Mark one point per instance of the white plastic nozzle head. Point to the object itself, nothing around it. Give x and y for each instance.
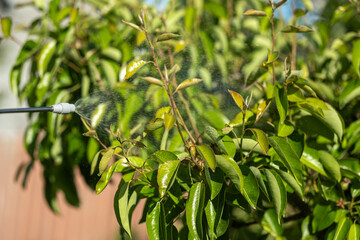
(63, 108)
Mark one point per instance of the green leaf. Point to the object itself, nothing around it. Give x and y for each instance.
(281, 101)
(45, 56)
(313, 127)
(105, 160)
(98, 114)
(161, 111)
(215, 137)
(154, 124)
(15, 78)
(167, 36)
(270, 222)
(272, 57)
(252, 12)
(172, 232)
(330, 165)
(155, 222)
(28, 50)
(356, 56)
(173, 70)
(239, 100)
(232, 170)
(134, 26)
(342, 229)
(133, 104)
(6, 24)
(324, 216)
(305, 228)
(329, 191)
(105, 178)
(314, 106)
(297, 143)
(298, 189)
(111, 71)
(277, 192)
(238, 120)
(112, 53)
(216, 9)
(294, 94)
(260, 181)
(216, 182)
(210, 213)
(285, 129)
(215, 118)
(194, 210)
(207, 154)
(251, 188)
(288, 156)
(169, 121)
(261, 139)
(251, 145)
(153, 81)
(263, 106)
(354, 232)
(136, 161)
(229, 145)
(215, 213)
(166, 175)
(94, 162)
(223, 223)
(122, 166)
(162, 156)
(350, 167)
(350, 92)
(189, 18)
(133, 67)
(124, 205)
(296, 29)
(333, 120)
(43, 86)
(207, 45)
(188, 83)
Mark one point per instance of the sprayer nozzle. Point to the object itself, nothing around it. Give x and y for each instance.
(63, 108)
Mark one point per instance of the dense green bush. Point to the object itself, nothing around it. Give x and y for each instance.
(275, 156)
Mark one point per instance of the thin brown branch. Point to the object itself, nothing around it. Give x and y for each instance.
(182, 98)
(273, 37)
(171, 97)
(294, 45)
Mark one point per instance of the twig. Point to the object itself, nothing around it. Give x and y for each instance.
(273, 37)
(172, 102)
(293, 48)
(182, 98)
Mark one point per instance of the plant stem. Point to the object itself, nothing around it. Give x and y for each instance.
(293, 47)
(252, 149)
(182, 98)
(273, 37)
(188, 111)
(171, 97)
(237, 139)
(242, 136)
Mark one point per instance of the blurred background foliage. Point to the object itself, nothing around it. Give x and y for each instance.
(78, 48)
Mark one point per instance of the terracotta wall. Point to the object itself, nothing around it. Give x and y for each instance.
(24, 214)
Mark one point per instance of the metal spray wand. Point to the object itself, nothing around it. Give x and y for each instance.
(60, 108)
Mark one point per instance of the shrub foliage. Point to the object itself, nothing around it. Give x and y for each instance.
(230, 118)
